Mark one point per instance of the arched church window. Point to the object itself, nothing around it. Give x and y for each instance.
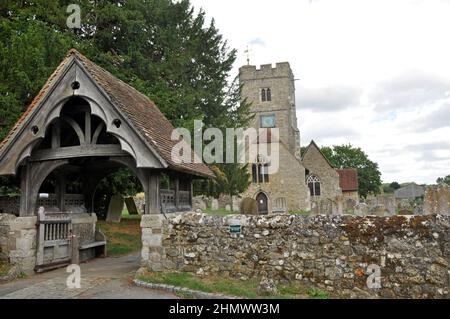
(314, 185)
(265, 173)
(263, 95)
(254, 173)
(260, 172)
(268, 95)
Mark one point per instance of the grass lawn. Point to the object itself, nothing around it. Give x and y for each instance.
(124, 237)
(231, 286)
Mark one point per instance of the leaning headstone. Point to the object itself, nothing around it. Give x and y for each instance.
(437, 199)
(115, 209)
(199, 203)
(131, 206)
(249, 206)
(214, 204)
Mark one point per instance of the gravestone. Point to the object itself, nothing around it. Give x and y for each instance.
(228, 208)
(249, 206)
(326, 207)
(236, 203)
(389, 202)
(199, 203)
(115, 209)
(437, 199)
(361, 209)
(378, 210)
(131, 206)
(214, 204)
(349, 204)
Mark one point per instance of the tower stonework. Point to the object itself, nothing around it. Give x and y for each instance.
(271, 91)
(279, 104)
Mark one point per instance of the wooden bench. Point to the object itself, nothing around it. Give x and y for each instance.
(94, 249)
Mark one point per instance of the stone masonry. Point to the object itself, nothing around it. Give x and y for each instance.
(336, 253)
(18, 241)
(288, 184)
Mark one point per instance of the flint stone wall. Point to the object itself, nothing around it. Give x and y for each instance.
(18, 241)
(331, 252)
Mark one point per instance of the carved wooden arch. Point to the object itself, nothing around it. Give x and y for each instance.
(36, 173)
(78, 130)
(95, 180)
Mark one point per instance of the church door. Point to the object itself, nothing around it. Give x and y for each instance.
(261, 199)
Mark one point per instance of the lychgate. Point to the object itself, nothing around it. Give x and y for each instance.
(82, 126)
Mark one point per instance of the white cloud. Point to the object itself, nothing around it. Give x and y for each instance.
(375, 73)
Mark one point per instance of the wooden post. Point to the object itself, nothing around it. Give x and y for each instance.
(87, 127)
(177, 192)
(56, 135)
(25, 187)
(152, 197)
(61, 190)
(191, 192)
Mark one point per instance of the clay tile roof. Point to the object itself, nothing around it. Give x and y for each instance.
(51, 80)
(348, 179)
(141, 112)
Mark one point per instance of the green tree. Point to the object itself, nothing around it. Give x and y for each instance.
(161, 47)
(444, 180)
(390, 188)
(395, 185)
(347, 156)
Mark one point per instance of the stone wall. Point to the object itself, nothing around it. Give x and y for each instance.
(18, 241)
(335, 253)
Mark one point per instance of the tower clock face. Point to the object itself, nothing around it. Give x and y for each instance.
(267, 121)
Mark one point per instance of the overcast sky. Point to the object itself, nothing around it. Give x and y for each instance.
(372, 73)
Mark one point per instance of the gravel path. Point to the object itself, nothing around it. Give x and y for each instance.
(102, 278)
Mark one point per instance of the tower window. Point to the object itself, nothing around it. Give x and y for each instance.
(260, 173)
(266, 95)
(314, 185)
(254, 173)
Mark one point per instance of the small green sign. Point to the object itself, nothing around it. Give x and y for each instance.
(235, 229)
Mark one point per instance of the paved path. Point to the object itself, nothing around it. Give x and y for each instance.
(102, 278)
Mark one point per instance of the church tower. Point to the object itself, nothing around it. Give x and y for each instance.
(272, 93)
